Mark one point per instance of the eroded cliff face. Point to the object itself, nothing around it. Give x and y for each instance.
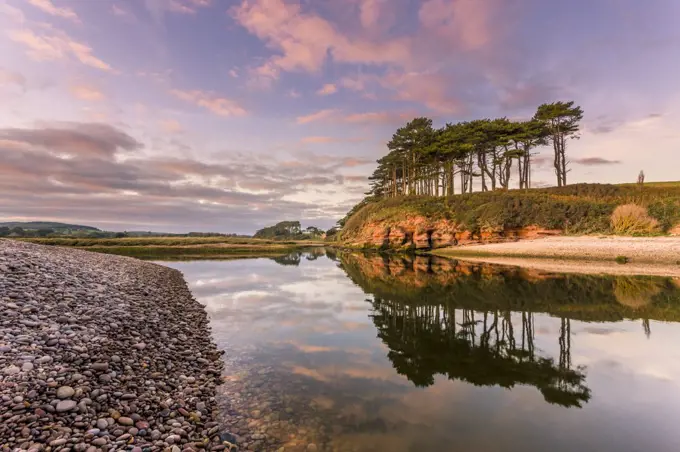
(419, 232)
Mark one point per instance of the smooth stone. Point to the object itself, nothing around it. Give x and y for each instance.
(102, 424)
(125, 421)
(65, 392)
(27, 367)
(66, 405)
(102, 367)
(11, 370)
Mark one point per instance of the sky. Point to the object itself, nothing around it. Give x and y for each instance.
(231, 115)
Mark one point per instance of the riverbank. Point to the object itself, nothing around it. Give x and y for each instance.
(101, 351)
(174, 248)
(589, 253)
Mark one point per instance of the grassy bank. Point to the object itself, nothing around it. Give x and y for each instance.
(180, 247)
(574, 209)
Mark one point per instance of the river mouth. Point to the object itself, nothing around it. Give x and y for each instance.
(352, 352)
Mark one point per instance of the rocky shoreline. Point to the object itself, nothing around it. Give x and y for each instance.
(101, 352)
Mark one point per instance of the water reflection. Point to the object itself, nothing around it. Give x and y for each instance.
(357, 352)
(485, 351)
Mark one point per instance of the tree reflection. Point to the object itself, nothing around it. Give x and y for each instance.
(475, 323)
(485, 349)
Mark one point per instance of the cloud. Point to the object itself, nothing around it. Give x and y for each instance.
(124, 13)
(325, 140)
(327, 89)
(87, 92)
(430, 89)
(378, 117)
(53, 44)
(74, 139)
(305, 40)
(48, 7)
(460, 22)
(171, 126)
(219, 105)
(11, 78)
(595, 161)
(317, 116)
(14, 14)
(233, 73)
(96, 172)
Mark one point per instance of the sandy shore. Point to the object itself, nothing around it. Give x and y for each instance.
(587, 254)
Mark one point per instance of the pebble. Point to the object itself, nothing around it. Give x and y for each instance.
(125, 421)
(65, 392)
(65, 405)
(89, 355)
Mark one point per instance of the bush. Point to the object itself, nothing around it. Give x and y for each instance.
(631, 219)
(621, 260)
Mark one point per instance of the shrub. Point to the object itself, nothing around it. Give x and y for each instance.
(631, 219)
(621, 260)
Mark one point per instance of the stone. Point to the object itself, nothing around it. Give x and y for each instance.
(100, 367)
(27, 367)
(311, 447)
(65, 392)
(11, 370)
(102, 424)
(125, 421)
(66, 405)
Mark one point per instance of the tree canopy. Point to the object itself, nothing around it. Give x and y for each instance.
(484, 153)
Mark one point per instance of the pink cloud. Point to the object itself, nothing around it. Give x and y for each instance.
(171, 126)
(325, 140)
(305, 40)
(48, 7)
(219, 105)
(465, 22)
(317, 140)
(87, 92)
(56, 45)
(432, 90)
(383, 117)
(11, 78)
(317, 116)
(327, 89)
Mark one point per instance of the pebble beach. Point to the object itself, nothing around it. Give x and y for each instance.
(101, 352)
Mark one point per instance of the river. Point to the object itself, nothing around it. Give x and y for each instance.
(351, 352)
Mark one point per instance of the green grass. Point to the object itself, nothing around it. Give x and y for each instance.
(575, 209)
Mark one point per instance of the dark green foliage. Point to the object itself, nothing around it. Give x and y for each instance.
(622, 260)
(282, 229)
(289, 230)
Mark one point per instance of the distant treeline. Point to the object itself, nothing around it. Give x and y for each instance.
(290, 230)
(53, 229)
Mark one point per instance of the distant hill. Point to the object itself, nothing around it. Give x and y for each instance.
(35, 225)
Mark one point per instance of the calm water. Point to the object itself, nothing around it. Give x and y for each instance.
(364, 353)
